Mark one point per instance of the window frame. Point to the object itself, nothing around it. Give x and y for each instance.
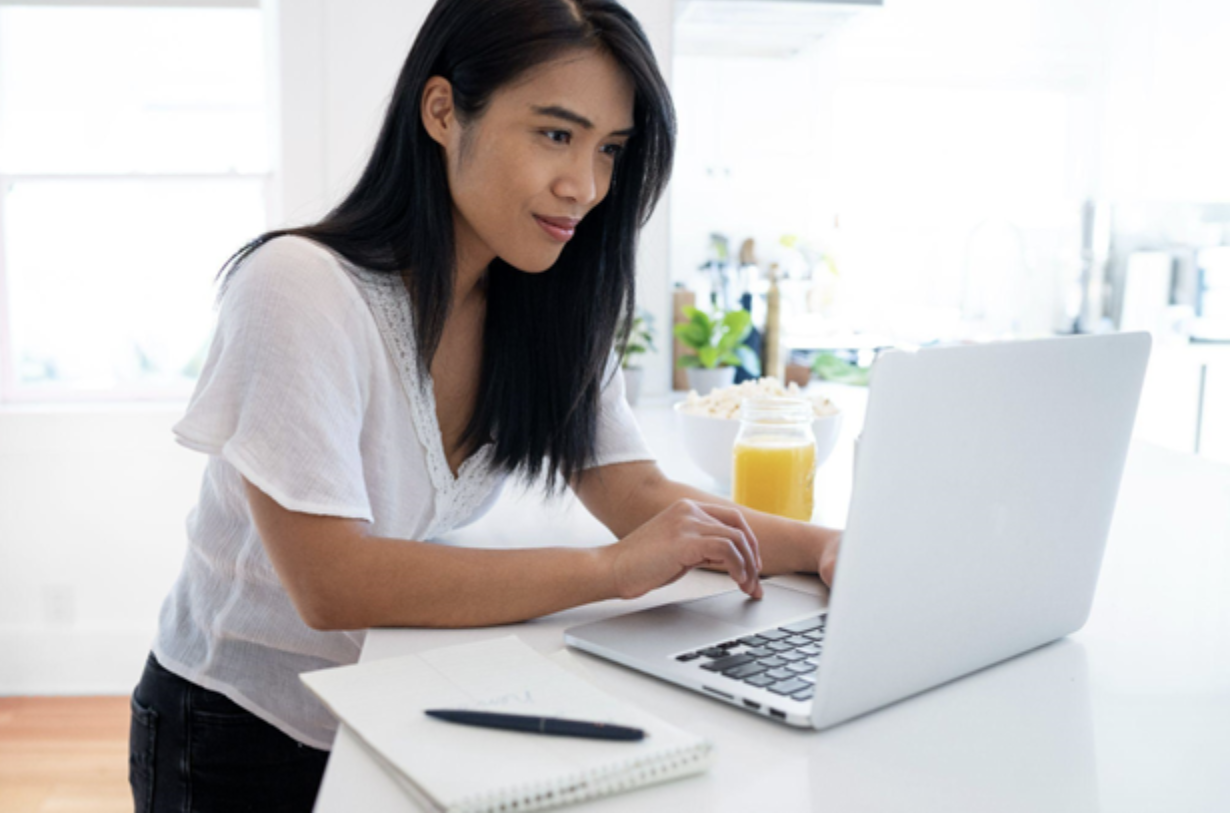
(11, 391)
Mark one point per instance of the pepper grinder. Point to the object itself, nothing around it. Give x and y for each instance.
(771, 364)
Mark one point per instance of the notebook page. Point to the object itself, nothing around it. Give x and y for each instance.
(455, 764)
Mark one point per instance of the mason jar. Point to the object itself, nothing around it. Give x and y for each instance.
(775, 457)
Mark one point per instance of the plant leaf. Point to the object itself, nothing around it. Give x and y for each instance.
(708, 357)
(737, 326)
(696, 316)
(736, 330)
(829, 366)
(692, 335)
(738, 322)
(689, 361)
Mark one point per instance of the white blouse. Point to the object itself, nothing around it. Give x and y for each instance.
(311, 393)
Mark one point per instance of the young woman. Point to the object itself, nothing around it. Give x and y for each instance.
(375, 378)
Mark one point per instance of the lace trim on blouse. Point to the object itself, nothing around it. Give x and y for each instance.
(457, 498)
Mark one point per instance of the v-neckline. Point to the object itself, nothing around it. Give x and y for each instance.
(420, 387)
(427, 388)
(437, 433)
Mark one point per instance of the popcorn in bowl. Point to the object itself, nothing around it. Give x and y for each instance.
(710, 424)
(726, 403)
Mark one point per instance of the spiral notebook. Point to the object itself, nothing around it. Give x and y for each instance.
(454, 767)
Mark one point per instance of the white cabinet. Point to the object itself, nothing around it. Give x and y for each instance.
(1177, 411)
(1215, 412)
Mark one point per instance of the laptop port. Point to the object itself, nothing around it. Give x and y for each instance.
(781, 715)
(718, 693)
(751, 704)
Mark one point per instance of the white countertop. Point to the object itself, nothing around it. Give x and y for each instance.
(1130, 713)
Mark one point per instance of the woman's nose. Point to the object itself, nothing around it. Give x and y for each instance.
(580, 182)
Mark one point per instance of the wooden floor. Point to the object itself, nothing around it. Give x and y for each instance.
(64, 754)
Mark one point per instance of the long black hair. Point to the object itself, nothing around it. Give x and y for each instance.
(547, 336)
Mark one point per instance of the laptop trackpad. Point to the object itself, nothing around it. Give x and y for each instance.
(777, 606)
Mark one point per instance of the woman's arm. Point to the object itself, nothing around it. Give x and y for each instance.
(340, 577)
(626, 495)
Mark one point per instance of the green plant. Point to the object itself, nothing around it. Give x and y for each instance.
(640, 340)
(717, 339)
(828, 366)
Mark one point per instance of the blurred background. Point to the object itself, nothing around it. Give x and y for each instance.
(901, 173)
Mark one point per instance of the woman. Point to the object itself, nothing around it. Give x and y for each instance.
(376, 377)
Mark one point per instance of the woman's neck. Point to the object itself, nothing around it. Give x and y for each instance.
(473, 258)
(469, 291)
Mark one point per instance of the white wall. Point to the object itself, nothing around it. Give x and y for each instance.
(91, 536)
(93, 499)
(1164, 104)
(1059, 100)
(910, 126)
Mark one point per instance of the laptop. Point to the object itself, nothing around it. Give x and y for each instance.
(985, 480)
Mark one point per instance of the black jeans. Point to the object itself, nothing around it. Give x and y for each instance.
(191, 749)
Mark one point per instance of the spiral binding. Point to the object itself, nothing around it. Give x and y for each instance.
(602, 781)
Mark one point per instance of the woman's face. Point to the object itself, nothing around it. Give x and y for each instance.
(531, 155)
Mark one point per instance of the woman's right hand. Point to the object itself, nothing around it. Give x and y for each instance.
(685, 535)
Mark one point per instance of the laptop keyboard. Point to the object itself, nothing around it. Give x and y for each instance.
(782, 660)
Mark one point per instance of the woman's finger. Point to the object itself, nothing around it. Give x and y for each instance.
(717, 551)
(732, 517)
(738, 539)
(750, 580)
(721, 551)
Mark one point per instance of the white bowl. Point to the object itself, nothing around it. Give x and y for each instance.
(710, 441)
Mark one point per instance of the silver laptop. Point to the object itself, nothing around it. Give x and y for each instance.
(985, 480)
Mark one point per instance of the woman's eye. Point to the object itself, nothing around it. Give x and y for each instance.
(614, 150)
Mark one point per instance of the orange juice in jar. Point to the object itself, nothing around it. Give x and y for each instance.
(775, 457)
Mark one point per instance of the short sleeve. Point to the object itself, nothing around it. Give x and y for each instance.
(283, 391)
(619, 436)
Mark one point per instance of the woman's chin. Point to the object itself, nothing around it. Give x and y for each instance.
(534, 267)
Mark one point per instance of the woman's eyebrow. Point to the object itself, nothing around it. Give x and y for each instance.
(576, 118)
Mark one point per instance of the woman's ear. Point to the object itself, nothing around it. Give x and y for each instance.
(437, 111)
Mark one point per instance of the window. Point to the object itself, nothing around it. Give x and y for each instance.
(134, 159)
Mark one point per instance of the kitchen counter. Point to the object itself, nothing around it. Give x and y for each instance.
(1131, 713)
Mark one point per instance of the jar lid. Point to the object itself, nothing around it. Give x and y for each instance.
(776, 410)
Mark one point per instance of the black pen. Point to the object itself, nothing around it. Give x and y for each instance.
(538, 725)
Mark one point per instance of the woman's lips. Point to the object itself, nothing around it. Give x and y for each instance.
(558, 233)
